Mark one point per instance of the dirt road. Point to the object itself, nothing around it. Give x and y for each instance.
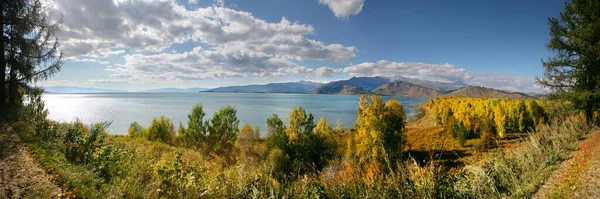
(20, 175)
(579, 176)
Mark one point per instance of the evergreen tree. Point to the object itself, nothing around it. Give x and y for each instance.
(223, 128)
(574, 72)
(195, 133)
(29, 48)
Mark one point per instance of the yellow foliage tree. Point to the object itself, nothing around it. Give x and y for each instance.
(380, 128)
(494, 115)
(323, 128)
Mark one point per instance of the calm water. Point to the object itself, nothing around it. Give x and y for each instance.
(124, 108)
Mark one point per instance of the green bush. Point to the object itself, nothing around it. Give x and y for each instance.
(180, 181)
(274, 124)
(223, 131)
(304, 150)
(105, 162)
(196, 131)
(136, 130)
(33, 120)
(460, 132)
(80, 144)
(161, 130)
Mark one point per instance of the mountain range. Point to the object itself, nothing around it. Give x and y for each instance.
(388, 86)
(175, 90)
(408, 87)
(288, 87)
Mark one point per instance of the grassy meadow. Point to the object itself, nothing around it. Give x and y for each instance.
(455, 148)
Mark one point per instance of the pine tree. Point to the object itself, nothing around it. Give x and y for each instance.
(29, 48)
(574, 72)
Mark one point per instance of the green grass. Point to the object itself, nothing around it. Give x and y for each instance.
(126, 167)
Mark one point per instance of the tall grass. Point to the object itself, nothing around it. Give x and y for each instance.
(518, 172)
(87, 162)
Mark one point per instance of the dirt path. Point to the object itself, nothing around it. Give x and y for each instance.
(579, 176)
(20, 175)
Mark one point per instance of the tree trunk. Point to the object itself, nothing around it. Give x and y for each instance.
(589, 111)
(13, 85)
(2, 68)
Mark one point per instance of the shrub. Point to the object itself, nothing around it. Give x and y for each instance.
(323, 128)
(485, 142)
(136, 130)
(180, 181)
(223, 130)
(105, 162)
(161, 130)
(249, 133)
(80, 144)
(196, 131)
(35, 115)
(300, 123)
(273, 124)
(338, 126)
(305, 149)
(460, 132)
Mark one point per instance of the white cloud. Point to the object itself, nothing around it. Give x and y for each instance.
(504, 82)
(107, 81)
(84, 60)
(344, 8)
(443, 72)
(95, 27)
(56, 83)
(438, 72)
(326, 71)
(205, 64)
(237, 44)
(104, 62)
(117, 52)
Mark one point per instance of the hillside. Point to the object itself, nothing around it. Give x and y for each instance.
(401, 88)
(438, 86)
(342, 90)
(366, 83)
(483, 92)
(175, 90)
(289, 87)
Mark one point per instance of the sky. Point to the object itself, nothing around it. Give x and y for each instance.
(137, 45)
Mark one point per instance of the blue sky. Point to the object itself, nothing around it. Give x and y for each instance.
(137, 45)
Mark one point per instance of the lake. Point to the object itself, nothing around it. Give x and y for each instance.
(253, 108)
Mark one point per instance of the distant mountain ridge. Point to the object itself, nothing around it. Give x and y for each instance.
(175, 90)
(393, 86)
(345, 90)
(389, 86)
(401, 88)
(366, 83)
(288, 87)
(483, 92)
(439, 86)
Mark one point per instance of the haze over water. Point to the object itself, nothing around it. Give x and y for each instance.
(124, 108)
